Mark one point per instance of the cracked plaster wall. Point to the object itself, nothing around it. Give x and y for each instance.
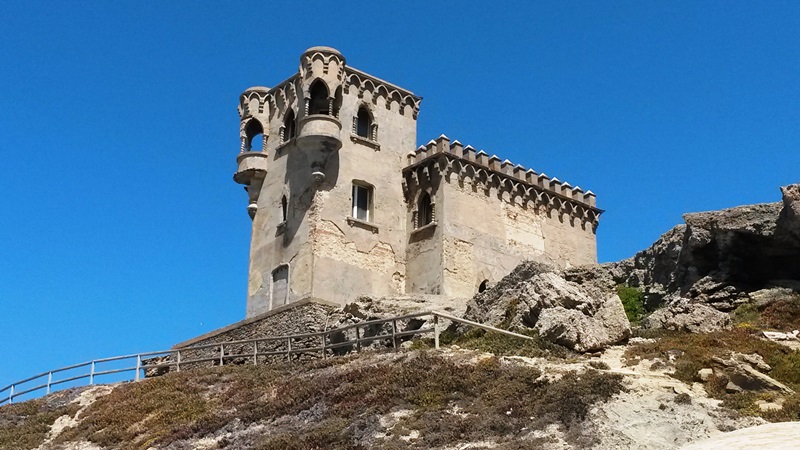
(485, 233)
(330, 257)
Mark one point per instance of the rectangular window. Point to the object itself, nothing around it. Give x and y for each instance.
(362, 202)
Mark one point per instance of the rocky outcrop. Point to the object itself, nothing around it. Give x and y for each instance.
(576, 308)
(717, 258)
(683, 315)
(744, 373)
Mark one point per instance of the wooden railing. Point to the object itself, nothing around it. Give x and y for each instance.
(176, 358)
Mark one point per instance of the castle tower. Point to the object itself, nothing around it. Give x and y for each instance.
(321, 158)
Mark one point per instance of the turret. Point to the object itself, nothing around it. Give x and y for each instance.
(321, 80)
(253, 135)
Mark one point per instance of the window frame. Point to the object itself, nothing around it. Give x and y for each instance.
(370, 201)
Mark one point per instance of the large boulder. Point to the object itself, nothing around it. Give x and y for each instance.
(577, 308)
(683, 315)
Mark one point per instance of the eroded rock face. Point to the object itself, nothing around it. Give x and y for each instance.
(718, 257)
(577, 308)
(683, 315)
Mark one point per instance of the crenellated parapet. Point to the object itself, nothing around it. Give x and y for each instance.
(316, 90)
(380, 92)
(510, 182)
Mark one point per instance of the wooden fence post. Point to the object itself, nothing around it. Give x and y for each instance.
(394, 331)
(436, 331)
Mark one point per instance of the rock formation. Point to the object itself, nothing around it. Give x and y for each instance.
(577, 308)
(717, 258)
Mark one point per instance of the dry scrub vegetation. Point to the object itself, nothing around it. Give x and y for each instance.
(692, 352)
(334, 403)
(25, 425)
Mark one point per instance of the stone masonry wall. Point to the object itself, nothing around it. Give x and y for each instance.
(301, 317)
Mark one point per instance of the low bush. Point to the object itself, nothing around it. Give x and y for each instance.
(504, 345)
(782, 314)
(633, 302)
(599, 365)
(497, 343)
(683, 399)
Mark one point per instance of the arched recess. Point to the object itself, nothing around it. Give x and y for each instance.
(289, 128)
(318, 102)
(337, 101)
(483, 280)
(425, 213)
(364, 125)
(254, 136)
(279, 286)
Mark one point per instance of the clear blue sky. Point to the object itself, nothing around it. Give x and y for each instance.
(121, 229)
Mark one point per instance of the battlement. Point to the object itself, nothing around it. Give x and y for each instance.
(478, 164)
(383, 90)
(261, 100)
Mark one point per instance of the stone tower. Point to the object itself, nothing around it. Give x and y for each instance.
(325, 187)
(343, 203)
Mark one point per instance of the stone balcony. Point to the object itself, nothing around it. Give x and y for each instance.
(320, 130)
(251, 165)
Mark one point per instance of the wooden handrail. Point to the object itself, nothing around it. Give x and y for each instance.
(176, 359)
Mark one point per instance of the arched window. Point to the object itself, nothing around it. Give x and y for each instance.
(424, 210)
(288, 126)
(337, 102)
(319, 98)
(363, 123)
(254, 136)
(284, 209)
(483, 286)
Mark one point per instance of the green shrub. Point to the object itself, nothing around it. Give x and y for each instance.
(633, 302)
(746, 314)
(504, 345)
(683, 399)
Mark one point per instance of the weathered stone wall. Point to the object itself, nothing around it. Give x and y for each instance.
(304, 316)
(330, 255)
(487, 235)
